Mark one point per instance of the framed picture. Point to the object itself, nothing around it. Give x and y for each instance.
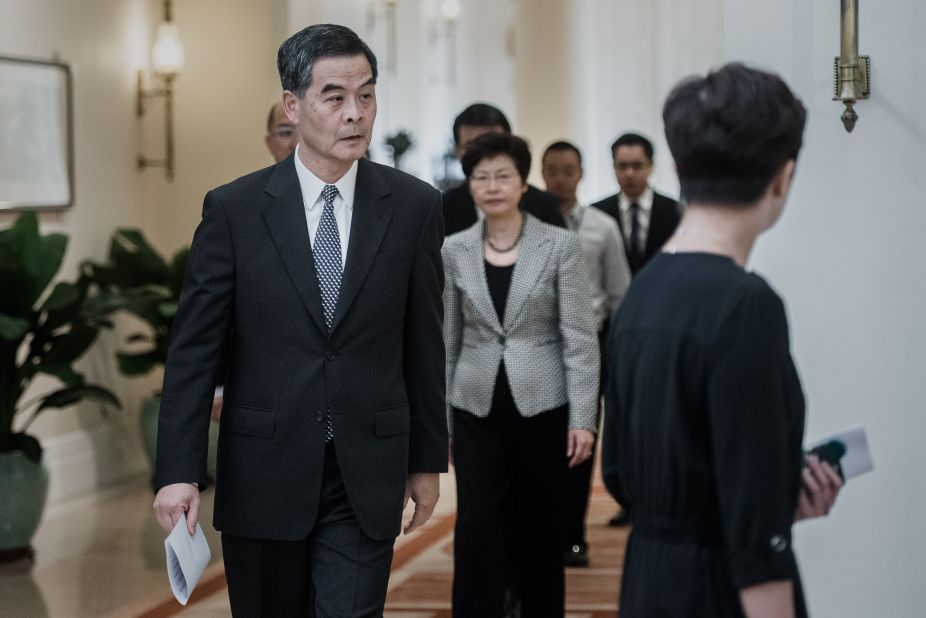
(36, 135)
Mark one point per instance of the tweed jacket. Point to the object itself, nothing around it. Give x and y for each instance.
(548, 338)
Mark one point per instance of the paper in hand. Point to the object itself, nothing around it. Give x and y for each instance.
(850, 449)
(187, 557)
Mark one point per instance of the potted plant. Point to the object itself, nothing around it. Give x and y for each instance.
(399, 143)
(41, 332)
(136, 279)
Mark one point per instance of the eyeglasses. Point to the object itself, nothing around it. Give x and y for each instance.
(503, 179)
(284, 133)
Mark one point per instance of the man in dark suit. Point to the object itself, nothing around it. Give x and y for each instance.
(647, 219)
(459, 210)
(326, 270)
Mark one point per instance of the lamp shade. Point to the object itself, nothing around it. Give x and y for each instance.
(167, 53)
(450, 9)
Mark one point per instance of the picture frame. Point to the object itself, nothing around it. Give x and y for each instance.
(36, 135)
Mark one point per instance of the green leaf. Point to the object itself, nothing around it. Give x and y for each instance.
(134, 261)
(167, 310)
(12, 328)
(64, 295)
(28, 263)
(63, 372)
(27, 445)
(138, 364)
(73, 394)
(70, 347)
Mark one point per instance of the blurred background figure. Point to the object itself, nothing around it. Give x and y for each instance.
(522, 387)
(459, 210)
(609, 277)
(281, 134)
(710, 460)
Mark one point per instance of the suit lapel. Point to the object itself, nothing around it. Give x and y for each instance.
(474, 274)
(371, 215)
(659, 224)
(532, 258)
(284, 215)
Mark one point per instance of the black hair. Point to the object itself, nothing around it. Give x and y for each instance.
(560, 146)
(480, 115)
(491, 145)
(633, 139)
(298, 54)
(730, 132)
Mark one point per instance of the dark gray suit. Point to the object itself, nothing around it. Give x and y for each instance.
(379, 373)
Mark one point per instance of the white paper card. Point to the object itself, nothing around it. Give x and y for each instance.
(857, 459)
(187, 557)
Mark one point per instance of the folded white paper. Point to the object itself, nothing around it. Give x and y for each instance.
(856, 459)
(187, 557)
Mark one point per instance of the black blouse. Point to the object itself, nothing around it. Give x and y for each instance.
(703, 432)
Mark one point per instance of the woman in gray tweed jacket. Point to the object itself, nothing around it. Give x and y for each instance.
(522, 387)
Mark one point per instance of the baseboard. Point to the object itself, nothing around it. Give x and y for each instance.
(86, 461)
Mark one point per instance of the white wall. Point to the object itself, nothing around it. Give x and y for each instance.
(847, 259)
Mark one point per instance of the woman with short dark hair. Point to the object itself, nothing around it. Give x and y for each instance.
(704, 412)
(522, 387)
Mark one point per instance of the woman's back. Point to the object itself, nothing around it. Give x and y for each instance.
(710, 414)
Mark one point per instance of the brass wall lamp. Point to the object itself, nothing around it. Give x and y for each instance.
(852, 72)
(167, 62)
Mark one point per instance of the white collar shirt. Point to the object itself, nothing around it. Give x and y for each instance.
(311, 187)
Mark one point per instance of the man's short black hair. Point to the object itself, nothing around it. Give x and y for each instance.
(560, 146)
(633, 139)
(479, 115)
(730, 132)
(494, 144)
(299, 53)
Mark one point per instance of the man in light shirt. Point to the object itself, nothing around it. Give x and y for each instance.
(609, 277)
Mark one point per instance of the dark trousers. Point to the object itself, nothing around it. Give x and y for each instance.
(579, 479)
(336, 571)
(510, 477)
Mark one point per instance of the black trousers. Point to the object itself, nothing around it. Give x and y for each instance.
(579, 479)
(510, 479)
(336, 571)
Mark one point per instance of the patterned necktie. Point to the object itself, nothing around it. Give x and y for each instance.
(327, 253)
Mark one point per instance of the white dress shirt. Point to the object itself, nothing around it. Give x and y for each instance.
(605, 258)
(311, 186)
(645, 201)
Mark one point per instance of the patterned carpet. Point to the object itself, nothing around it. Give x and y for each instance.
(420, 585)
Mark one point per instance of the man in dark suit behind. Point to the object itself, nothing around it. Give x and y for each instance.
(459, 209)
(326, 270)
(647, 219)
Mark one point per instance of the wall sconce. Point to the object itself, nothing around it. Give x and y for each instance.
(167, 62)
(852, 72)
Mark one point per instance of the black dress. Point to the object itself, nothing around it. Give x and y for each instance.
(703, 431)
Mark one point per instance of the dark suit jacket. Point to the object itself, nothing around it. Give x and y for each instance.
(662, 223)
(460, 210)
(380, 371)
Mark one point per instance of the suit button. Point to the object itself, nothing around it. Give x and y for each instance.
(501, 340)
(329, 355)
(320, 416)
